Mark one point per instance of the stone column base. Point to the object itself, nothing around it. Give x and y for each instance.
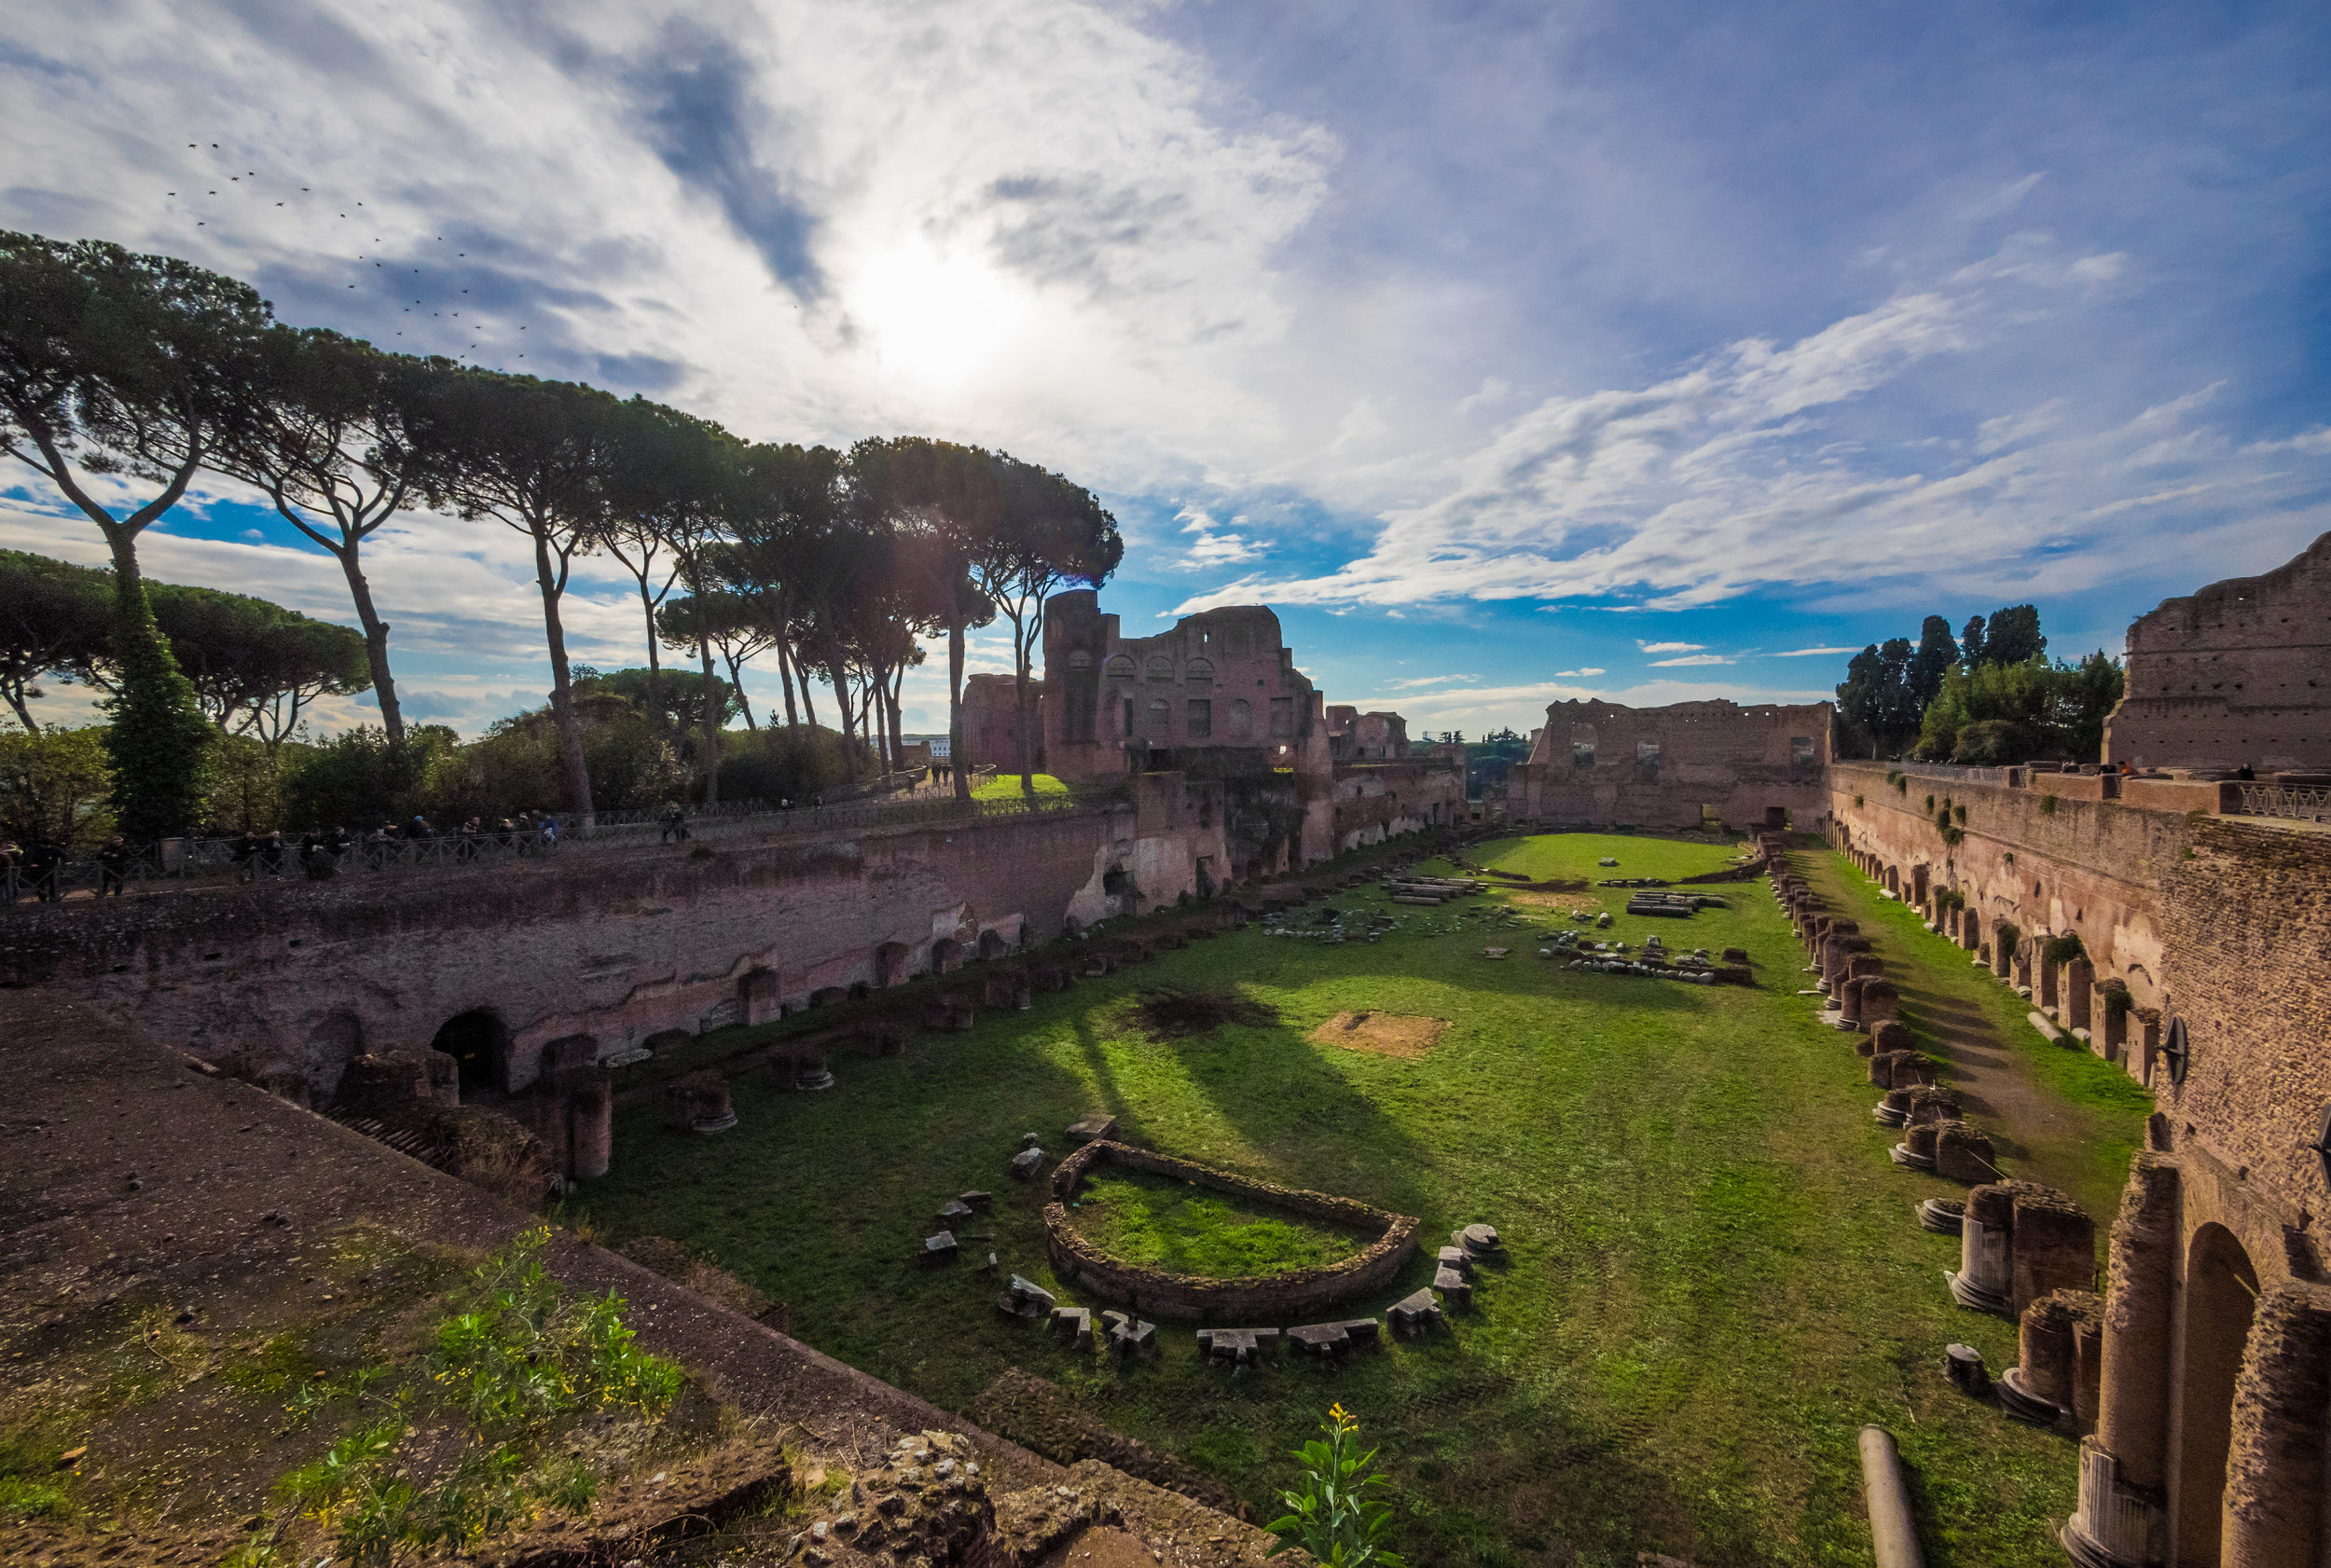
(2118, 1526)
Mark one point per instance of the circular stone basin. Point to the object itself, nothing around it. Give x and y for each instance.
(1387, 1241)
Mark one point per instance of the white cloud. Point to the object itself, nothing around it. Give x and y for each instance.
(1729, 475)
(1809, 653)
(1691, 659)
(1669, 647)
(1562, 674)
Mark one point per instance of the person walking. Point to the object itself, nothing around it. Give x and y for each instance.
(41, 863)
(272, 852)
(246, 856)
(675, 823)
(11, 870)
(113, 866)
(466, 850)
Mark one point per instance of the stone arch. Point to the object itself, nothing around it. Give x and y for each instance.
(337, 1039)
(1160, 668)
(2218, 1302)
(893, 961)
(570, 1051)
(1198, 669)
(992, 945)
(1241, 718)
(480, 1043)
(1121, 668)
(946, 956)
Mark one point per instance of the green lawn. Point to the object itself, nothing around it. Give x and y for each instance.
(1160, 1223)
(1714, 1277)
(1006, 785)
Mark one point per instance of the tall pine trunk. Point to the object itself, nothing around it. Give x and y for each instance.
(956, 759)
(569, 723)
(376, 645)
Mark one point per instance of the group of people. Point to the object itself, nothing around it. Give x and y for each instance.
(322, 850)
(36, 869)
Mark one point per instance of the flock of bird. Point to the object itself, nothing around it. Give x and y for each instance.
(199, 190)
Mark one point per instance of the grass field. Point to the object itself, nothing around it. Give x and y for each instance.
(1714, 1278)
(1007, 786)
(1171, 1225)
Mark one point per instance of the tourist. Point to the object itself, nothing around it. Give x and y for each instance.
(505, 832)
(11, 870)
(246, 855)
(466, 836)
(419, 829)
(551, 831)
(112, 865)
(41, 864)
(272, 852)
(675, 823)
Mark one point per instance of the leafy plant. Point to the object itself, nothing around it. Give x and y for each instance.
(1331, 1516)
(514, 1357)
(2064, 948)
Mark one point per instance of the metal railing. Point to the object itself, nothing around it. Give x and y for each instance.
(213, 862)
(2302, 802)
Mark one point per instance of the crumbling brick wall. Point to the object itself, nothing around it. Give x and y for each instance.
(2233, 675)
(1599, 764)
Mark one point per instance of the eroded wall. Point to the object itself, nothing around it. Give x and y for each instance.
(2233, 676)
(616, 945)
(1602, 763)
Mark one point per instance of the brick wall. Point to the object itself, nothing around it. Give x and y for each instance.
(2233, 675)
(1598, 764)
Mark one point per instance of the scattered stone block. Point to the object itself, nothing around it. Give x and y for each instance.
(1074, 1325)
(1963, 1364)
(1735, 954)
(974, 1198)
(940, 1248)
(1233, 1347)
(1330, 1342)
(1026, 1163)
(1024, 1298)
(1453, 1286)
(1480, 1241)
(1454, 1258)
(1129, 1336)
(1092, 1127)
(1942, 1216)
(953, 1211)
(1415, 1314)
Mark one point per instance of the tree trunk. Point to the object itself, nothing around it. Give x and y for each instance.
(24, 715)
(654, 665)
(569, 725)
(712, 695)
(1025, 742)
(890, 701)
(158, 732)
(376, 645)
(835, 673)
(956, 759)
(737, 681)
(785, 674)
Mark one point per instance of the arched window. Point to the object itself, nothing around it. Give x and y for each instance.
(1241, 718)
(1121, 668)
(1080, 659)
(1198, 669)
(1161, 667)
(1160, 719)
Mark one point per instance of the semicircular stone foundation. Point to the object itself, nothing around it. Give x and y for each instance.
(1155, 1293)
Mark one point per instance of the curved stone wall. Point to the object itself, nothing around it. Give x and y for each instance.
(1155, 1293)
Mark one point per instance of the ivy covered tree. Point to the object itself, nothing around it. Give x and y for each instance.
(139, 366)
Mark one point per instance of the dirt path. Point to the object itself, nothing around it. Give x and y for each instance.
(1964, 1017)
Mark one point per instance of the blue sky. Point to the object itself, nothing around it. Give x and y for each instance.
(1514, 352)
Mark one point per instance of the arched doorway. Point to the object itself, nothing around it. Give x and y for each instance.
(2221, 1292)
(479, 1042)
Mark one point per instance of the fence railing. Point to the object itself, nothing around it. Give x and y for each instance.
(214, 862)
(1949, 772)
(2303, 803)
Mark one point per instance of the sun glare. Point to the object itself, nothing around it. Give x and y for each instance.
(941, 320)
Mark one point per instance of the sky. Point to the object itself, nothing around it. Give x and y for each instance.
(1649, 350)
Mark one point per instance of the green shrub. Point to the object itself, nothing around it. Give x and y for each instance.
(2064, 948)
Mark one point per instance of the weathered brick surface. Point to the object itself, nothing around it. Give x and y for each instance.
(2229, 675)
(1602, 763)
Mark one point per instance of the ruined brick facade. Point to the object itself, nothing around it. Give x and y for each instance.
(2236, 675)
(2213, 1410)
(590, 953)
(1602, 763)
